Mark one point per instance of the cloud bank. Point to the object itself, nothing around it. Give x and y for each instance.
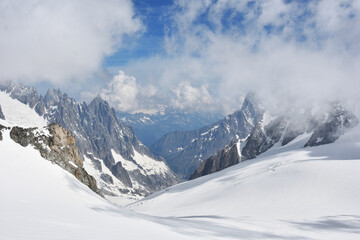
(125, 94)
(295, 52)
(60, 41)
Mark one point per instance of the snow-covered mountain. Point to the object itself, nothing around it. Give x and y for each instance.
(52, 142)
(150, 127)
(39, 200)
(121, 164)
(288, 192)
(184, 150)
(324, 127)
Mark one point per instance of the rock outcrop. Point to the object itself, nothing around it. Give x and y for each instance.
(57, 145)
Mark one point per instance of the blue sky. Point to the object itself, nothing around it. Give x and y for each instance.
(154, 15)
(202, 55)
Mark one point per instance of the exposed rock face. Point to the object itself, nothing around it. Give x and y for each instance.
(325, 129)
(263, 138)
(1, 114)
(100, 137)
(338, 122)
(224, 158)
(184, 151)
(57, 145)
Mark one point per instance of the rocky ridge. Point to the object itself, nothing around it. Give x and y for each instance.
(121, 164)
(323, 129)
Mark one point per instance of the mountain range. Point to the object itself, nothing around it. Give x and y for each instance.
(184, 150)
(150, 127)
(120, 163)
(290, 176)
(323, 128)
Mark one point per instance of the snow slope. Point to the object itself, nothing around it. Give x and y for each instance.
(286, 193)
(19, 114)
(289, 192)
(39, 200)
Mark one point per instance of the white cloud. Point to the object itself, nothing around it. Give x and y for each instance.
(187, 97)
(121, 92)
(303, 50)
(125, 94)
(62, 40)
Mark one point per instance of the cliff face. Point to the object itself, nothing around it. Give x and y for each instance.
(57, 145)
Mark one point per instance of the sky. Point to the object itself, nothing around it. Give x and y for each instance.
(202, 55)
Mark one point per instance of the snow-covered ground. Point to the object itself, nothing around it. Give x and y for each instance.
(289, 192)
(39, 200)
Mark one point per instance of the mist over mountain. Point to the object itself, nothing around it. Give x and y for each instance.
(317, 129)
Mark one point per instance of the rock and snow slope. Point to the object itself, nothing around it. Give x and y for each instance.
(184, 150)
(324, 127)
(288, 192)
(107, 146)
(39, 200)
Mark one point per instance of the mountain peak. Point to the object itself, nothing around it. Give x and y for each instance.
(98, 100)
